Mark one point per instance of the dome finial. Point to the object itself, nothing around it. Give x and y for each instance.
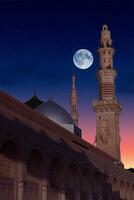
(34, 92)
(73, 82)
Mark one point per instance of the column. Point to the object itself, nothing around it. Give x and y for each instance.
(44, 191)
(20, 181)
(91, 196)
(100, 197)
(78, 195)
(20, 189)
(62, 195)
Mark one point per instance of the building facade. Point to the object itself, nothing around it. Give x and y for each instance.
(40, 159)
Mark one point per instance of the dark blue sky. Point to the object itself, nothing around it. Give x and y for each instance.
(38, 40)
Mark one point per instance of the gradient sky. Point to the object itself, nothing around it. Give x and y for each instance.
(37, 43)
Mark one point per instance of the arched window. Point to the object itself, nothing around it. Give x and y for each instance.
(105, 27)
(56, 179)
(72, 179)
(35, 165)
(56, 174)
(72, 182)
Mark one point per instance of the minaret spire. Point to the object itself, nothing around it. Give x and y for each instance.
(34, 92)
(73, 83)
(107, 108)
(74, 102)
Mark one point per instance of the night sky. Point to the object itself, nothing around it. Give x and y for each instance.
(38, 40)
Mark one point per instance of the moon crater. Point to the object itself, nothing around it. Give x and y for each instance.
(83, 59)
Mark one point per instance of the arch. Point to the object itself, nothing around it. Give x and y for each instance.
(73, 176)
(56, 179)
(85, 184)
(56, 174)
(72, 189)
(35, 165)
(14, 140)
(105, 27)
(35, 174)
(10, 169)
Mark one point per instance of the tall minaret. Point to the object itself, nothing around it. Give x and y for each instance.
(107, 108)
(73, 102)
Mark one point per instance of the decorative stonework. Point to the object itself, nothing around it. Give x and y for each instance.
(7, 162)
(107, 108)
(6, 166)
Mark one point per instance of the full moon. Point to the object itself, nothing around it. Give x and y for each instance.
(83, 59)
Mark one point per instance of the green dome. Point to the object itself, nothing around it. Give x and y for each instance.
(34, 102)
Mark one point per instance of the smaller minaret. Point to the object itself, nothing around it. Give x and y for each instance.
(74, 102)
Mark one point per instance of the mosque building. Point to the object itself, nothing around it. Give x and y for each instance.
(43, 155)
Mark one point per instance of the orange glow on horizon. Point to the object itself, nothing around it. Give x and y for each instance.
(127, 140)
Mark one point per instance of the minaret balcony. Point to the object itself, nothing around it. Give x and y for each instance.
(106, 73)
(105, 104)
